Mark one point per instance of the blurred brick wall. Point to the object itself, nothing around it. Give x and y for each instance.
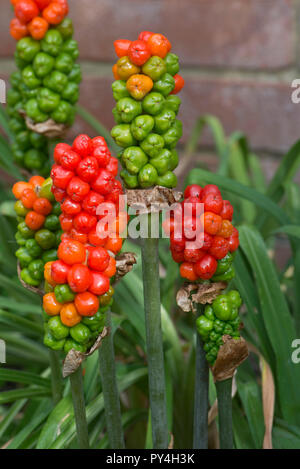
(238, 58)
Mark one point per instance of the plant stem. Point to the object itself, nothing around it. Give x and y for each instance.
(225, 413)
(201, 397)
(155, 355)
(110, 389)
(56, 376)
(79, 408)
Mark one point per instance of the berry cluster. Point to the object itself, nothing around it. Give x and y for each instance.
(34, 17)
(221, 318)
(147, 129)
(83, 180)
(213, 260)
(39, 230)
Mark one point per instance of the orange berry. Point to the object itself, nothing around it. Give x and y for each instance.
(115, 72)
(36, 181)
(212, 222)
(17, 29)
(226, 229)
(38, 28)
(34, 220)
(28, 198)
(50, 304)
(139, 85)
(111, 269)
(69, 315)
(47, 274)
(42, 206)
(159, 45)
(19, 187)
(114, 244)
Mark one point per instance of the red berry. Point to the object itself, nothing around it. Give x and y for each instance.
(98, 142)
(59, 272)
(139, 53)
(59, 151)
(78, 189)
(60, 176)
(178, 256)
(98, 259)
(83, 145)
(70, 207)
(193, 255)
(66, 222)
(91, 202)
(191, 207)
(84, 222)
(233, 240)
(210, 189)
(113, 166)
(95, 239)
(206, 267)
(104, 182)
(207, 242)
(177, 243)
(219, 247)
(100, 283)
(70, 160)
(193, 191)
(145, 35)
(103, 155)
(213, 202)
(88, 168)
(59, 194)
(227, 210)
(79, 278)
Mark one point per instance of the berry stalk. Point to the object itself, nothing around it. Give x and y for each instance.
(79, 409)
(225, 413)
(155, 355)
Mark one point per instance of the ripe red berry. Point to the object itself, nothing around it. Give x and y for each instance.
(207, 242)
(78, 189)
(227, 210)
(219, 247)
(178, 256)
(206, 267)
(102, 154)
(103, 183)
(193, 255)
(66, 222)
(84, 222)
(139, 52)
(98, 142)
(69, 159)
(59, 272)
(70, 207)
(113, 166)
(61, 177)
(91, 202)
(59, 194)
(59, 151)
(100, 283)
(193, 191)
(233, 240)
(98, 259)
(210, 189)
(79, 278)
(177, 242)
(83, 145)
(213, 202)
(88, 168)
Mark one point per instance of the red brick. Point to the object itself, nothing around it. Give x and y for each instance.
(231, 33)
(264, 111)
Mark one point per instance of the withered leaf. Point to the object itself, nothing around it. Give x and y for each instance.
(49, 128)
(198, 293)
(74, 358)
(124, 263)
(230, 356)
(152, 200)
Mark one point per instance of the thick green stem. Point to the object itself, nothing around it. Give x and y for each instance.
(110, 390)
(56, 376)
(201, 398)
(155, 355)
(79, 409)
(225, 413)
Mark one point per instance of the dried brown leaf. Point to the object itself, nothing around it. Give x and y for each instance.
(124, 263)
(202, 293)
(49, 128)
(152, 200)
(230, 356)
(74, 358)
